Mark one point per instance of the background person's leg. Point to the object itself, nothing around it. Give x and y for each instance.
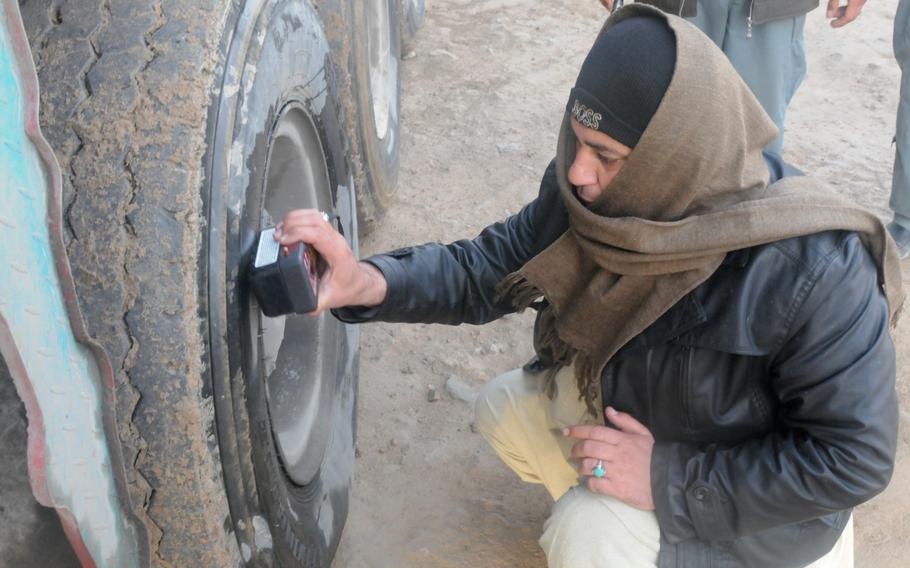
(772, 62)
(711, 18)
(900, 186)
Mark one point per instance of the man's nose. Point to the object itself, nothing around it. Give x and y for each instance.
(583, 171)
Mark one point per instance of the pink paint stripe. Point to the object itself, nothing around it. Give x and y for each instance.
(75, 538)
(37, 475)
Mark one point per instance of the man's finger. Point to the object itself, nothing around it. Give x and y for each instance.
(305, 217)
(293, 224)
(593, 432)
(602, 485)
(592, 449)
(299, 214)
(608, 4)
(288, 232)
(833, 5)
(625, 422)
(327, 242)
(587, 465)
(309, 234)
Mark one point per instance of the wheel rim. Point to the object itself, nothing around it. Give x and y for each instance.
(379, 48)
(296, 352)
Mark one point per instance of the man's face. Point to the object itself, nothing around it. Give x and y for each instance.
(598, 158)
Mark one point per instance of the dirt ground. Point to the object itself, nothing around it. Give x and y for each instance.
(483, 93)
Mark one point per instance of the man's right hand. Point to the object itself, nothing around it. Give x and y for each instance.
(346, 281)
(840, 16)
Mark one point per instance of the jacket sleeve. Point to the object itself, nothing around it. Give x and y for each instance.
(836, 435)
(455, 283)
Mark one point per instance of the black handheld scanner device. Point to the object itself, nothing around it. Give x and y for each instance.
(284, 278)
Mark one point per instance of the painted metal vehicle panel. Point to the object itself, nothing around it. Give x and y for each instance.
(63, 377)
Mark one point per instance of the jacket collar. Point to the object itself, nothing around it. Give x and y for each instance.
(737, 258)
(685, 314)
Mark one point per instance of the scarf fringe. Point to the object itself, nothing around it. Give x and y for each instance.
(586, 374)
(586, 378)
(522, 294)
(516, 288)
(546, 338)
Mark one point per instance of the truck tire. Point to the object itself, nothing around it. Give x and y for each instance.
(376, 46)
(182, 128)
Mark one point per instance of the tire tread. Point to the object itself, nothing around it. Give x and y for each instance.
(125, 91)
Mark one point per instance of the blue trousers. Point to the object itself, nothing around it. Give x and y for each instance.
(900, 185)
(772, 61)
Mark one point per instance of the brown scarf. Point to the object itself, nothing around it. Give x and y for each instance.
(694, 188)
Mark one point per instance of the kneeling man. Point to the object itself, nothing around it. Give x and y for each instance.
(714, 379)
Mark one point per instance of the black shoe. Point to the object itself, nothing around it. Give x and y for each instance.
(901, 236)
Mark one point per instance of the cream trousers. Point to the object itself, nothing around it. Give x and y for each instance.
(585, 530)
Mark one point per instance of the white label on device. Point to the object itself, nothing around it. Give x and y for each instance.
(267, 251)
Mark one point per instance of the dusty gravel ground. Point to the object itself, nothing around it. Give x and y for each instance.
(483, 93)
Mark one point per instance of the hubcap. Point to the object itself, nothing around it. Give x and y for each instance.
(382, 71)
(298, 354)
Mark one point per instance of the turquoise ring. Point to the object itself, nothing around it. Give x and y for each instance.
(599, 470)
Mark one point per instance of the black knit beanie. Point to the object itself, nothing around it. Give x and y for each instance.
(624, 77)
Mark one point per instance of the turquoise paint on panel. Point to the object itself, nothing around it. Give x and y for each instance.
(62, 372)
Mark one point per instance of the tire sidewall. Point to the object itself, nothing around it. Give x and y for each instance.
(380, 156)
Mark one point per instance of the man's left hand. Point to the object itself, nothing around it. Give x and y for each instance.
(840, 16)
(625, 454)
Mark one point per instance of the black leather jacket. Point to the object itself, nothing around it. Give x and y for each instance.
(769, 389)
